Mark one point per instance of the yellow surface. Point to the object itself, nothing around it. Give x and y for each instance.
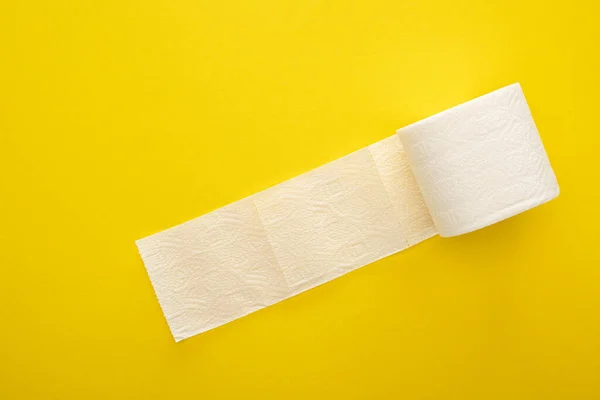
(121, 118)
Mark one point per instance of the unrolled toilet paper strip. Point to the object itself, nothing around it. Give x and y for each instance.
(457, 171)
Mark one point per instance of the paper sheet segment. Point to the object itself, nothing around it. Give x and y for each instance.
(397, 177)
(330, 221)
(213, 269)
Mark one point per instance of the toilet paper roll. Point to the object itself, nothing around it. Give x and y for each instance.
(480, 162)
(452, 173)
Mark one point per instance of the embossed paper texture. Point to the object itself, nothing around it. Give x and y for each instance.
(455, 172)
(286, 239)
(480, 162)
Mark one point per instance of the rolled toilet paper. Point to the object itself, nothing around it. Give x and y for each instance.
(480, 162)
(452, 173)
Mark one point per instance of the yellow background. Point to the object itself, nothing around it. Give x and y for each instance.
(120, 118)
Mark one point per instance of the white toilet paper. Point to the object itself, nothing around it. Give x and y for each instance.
(452, 173)
(480, 162)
